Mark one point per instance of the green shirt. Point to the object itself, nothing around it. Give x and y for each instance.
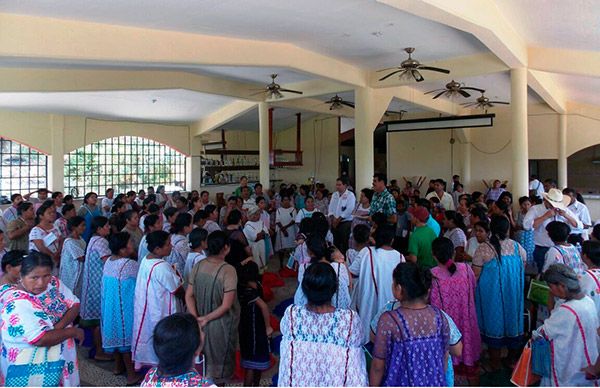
(419, 245)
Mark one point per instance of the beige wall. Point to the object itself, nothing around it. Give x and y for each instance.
(428, 152)
(35, 130)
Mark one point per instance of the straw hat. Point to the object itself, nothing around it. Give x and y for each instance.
(252, 210)
(557, 199)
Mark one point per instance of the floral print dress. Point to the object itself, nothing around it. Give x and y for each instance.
(321, 349)
(25, 318)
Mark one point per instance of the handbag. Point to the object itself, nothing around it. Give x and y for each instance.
(36, 367)
(523, 375)
(541, 357)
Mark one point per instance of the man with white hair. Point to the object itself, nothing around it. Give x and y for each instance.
(554, 208)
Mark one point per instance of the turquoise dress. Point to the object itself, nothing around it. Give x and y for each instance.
(88, 214)
(118, 293)
(499, 300)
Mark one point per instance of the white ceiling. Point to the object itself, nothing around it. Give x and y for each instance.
(569, 24)
(582, 89)
(172, 105)
(362, 32)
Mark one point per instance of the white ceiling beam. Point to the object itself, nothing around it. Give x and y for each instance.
(565, 61)
(222, 116)
(546, 88)
(416, 97)
(313, 105)
(484, 20)
(313, 88)
(77, 80)
(40, 38)
(460, 67)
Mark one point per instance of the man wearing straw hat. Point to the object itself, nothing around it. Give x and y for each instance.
(554, 208)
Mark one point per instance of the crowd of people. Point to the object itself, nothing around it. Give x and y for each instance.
(395, 287)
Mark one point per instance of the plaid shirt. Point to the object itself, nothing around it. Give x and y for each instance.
(383, 202)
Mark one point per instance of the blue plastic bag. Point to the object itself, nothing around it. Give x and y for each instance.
(541, 357)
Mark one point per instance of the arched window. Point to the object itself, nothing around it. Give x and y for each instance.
(123, 163)
(22, 170)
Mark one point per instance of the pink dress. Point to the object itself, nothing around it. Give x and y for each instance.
(455, 295)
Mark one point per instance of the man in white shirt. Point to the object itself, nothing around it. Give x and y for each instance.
(446, 200)
(536, 186)
(340, 211)
(582, 212)
(554, 208)
(11, 212)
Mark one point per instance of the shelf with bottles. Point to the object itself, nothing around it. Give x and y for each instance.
(223, 177)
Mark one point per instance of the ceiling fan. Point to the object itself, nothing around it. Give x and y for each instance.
(483, 102)
(273, 90)
(337, 102)
(454, 88)
(410, 68)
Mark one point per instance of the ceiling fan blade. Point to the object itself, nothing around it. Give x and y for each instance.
(500, 102)
(389, 75)
(467, 104)
(439, 94)
(347, 103)
(418, 77)
(291, 91)
(463, 93)
(439, 70)
(433, 91)
(389, 68)
(261, 92)
(471, 88)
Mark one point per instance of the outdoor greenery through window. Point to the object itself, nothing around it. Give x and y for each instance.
(22, 170)
(123, 163)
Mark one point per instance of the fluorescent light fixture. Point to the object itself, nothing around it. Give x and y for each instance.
(470, 121)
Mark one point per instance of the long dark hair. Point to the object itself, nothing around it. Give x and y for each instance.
(42, 209)
(499, 229)
(456, 218)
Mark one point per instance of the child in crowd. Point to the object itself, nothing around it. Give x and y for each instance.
(73, 255)
(285, 227)
(118, 293)
(198, 245)
(157, 288)
(152, 223)
(68, 212)
(453, 291)
(360, 234)
(254, 328)
(562, 252)
(177, 341)
(179, 241)
(590, 279)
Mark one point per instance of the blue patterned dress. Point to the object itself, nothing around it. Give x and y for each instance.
(413, 343)
(499, 296)
(118, 293)
(92, 279)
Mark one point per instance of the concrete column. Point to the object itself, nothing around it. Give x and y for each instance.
(364, 151)
(466, 171)
(520, 152)
(263, 144)
(56, 161)
(192, 164)
(562, 151)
